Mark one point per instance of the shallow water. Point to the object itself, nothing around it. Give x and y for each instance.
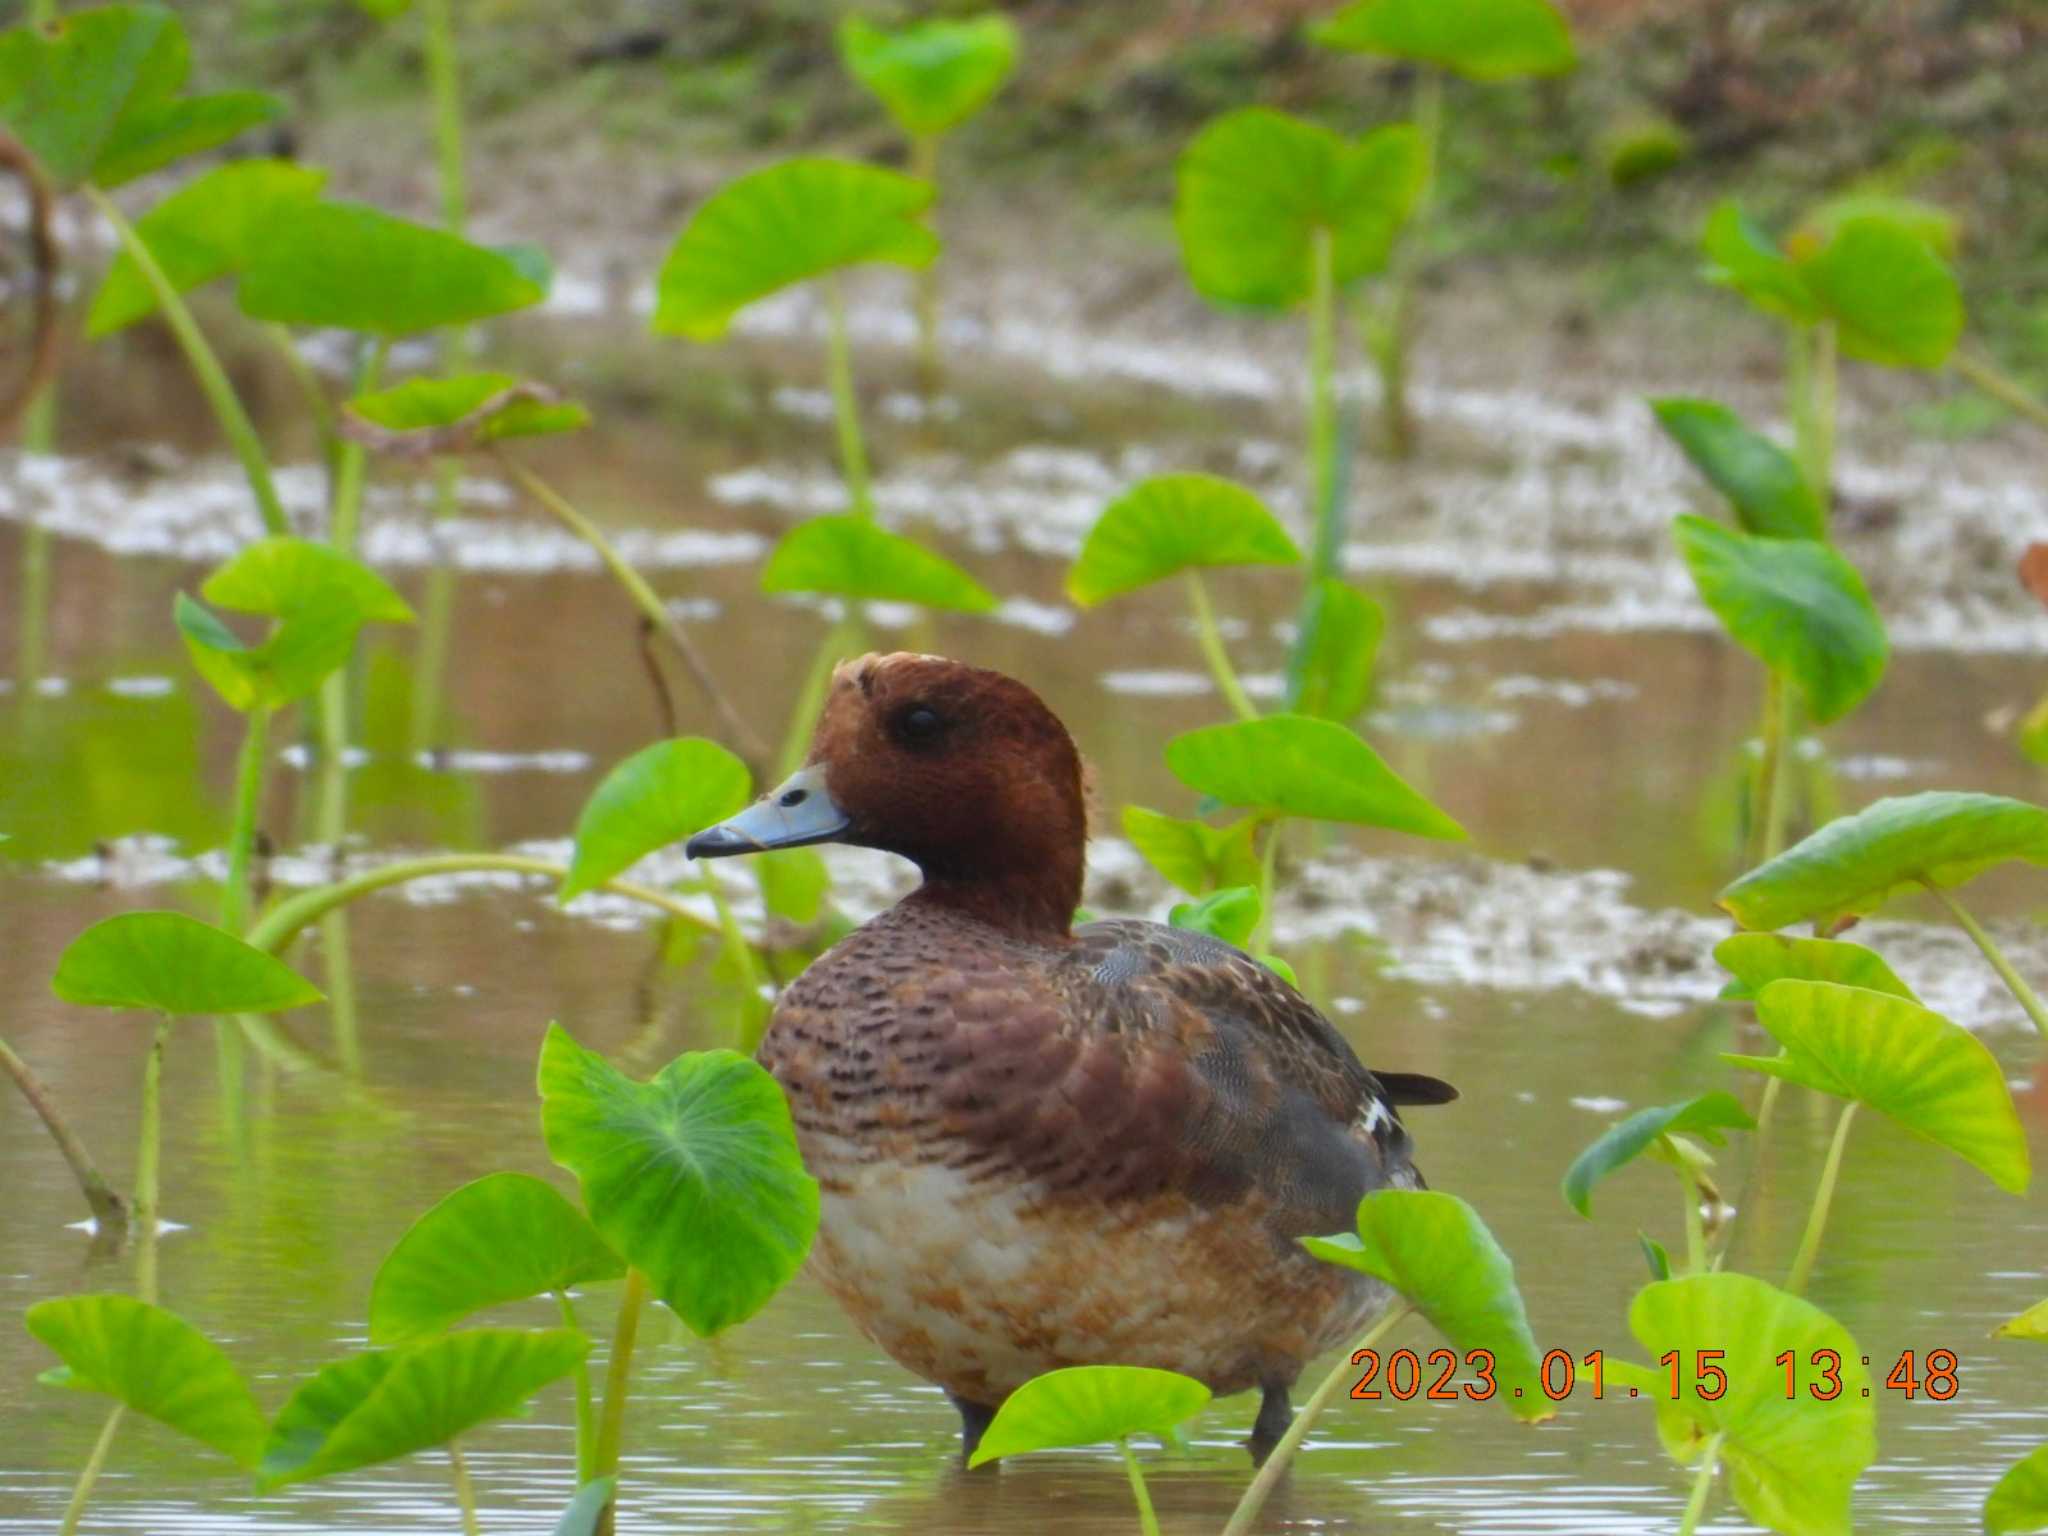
(1548, 683)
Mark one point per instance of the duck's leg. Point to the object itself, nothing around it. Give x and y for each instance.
(1271, 1424)
(974, 1420)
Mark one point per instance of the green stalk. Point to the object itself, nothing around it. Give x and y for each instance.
(1824, 385)
(842, 638)
(249, 765)
(1810, 401)
(445, 80)
(148, 1152)
(340, 976)
(1390, 339)
(1823, 1197)
(318, 406)
(2015, 983)
(1148, 1522)
(465, 1491)
(1322, 408)
(618, 1377)
(1695, 1230)
(1211, 639)
(290, 917)
(924, 164)
(206, 368)
(1702, 1484)
(2000, 386)
(586, 1417)
(437, 623)
(1269, 856)
(90, 1473)
(32, 636)
(1767, 805)
(853, 454)
(108, 1210)
(737, 950)
(1276, 1465)
(344, 522)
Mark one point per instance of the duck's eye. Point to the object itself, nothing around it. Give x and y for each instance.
(919, 725)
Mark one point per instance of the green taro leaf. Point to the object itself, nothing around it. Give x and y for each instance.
(2030, 1324)
(385, 10)
(1434, 1250)
(506, 1237)
(1088, 1404)
(1741, 256)
(156, 1363)
(385, 1404)
(659, 795)
(784, 225)
(844, 555)
(1893, 299)
(1706, 1116)
(1292, 765)
(1791, 1461)
(449, 416)
(1170, 524)
(207, 229)
(1932, 225)
(166, 962)
(1229, 915)
(1758, 959)
(2018, 1501)
(1855, 864)
(931, 75)
(1342, 628)
(694, 1177)
(150, 137)
(1933, 1077)
(66, 93)
(1761, 480)
(1255, 185)
(1192, 855)
(320, 598)
(1479, 39)
(586, 1510)
(360, 269)
(1796, 605)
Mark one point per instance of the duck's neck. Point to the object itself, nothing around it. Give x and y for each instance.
(1034, 903)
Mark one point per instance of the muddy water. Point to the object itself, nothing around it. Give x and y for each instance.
(1547, 682)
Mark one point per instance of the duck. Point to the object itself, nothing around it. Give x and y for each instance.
(1040, 1143)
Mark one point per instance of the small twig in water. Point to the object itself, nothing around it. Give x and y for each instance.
(108, 1208)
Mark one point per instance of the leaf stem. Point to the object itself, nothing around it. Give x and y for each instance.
(445, 81)
(1211, 638)
(1823, 1197)
(205, 366)
(743, 740)
(853, 454)
(1148, 1522)
(2000, 386)
(1269, 857)
(586, 1416)
(465, 1491)
(1695, 1228)
(2014, 981)
(109, 1211)
(617, 1378)
(1269, 1475)
(1702, 1485)
(1322, 408)
(249, 764)
(90, 1472)
(1767, 814)
(148, 1153)
(924, 165)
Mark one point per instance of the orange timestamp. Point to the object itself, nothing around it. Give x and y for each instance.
(1404, 1374)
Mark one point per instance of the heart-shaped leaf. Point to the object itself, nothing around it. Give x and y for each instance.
(1761, 480)
(1796, 605)
(932, 75)
(1741, 256)
(1893, 299)
(1433, 1249)
(149, 137)
(659, 795)
(1933, 1077)
(694, 1177)
(1707, 1116)
(1858, 863)
(1192, 855)
(849, 556)
(2030, 1324)
(207, 229)
(424, 417)
(1758, 959)
(1088, 1404)
(1291, 765)
(1479, 39)
(166, 962)
(66, 92)
(1174, 523)
(360, 269)
(385, 1404)
(1932, 225)
(1791, 1461)
(1341, 630)
(1256, 185)
(787, 224)
(506, 1237)
(1229, 915)
(2018, 1501)
(155, 1362)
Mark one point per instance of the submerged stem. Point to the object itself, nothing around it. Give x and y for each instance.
(1211, 639)
(205, 366)
(108, 1209)
(1269, 1475)
(2015, 983)
(1702, 1485)
(853, 454)
(1823, 1197)
(90, 1472)
(1148, 1522)
(465, 1491)
(617, 1379)
(586, 1416)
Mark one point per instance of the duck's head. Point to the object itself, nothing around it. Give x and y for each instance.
(961, 770)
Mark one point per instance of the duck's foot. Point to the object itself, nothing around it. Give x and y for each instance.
(974, 1421)
(1271, 1424)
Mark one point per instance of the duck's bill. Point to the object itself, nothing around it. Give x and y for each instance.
(797, 812)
